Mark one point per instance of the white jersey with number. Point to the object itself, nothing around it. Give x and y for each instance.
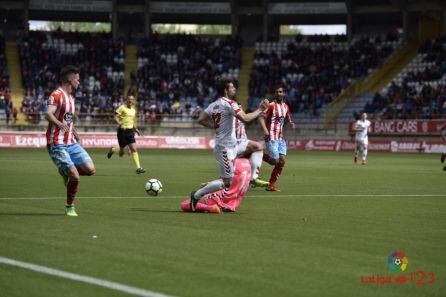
(364, 126)
(223, 112)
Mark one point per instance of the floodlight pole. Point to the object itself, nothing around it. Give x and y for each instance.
(348, 4)
(147, 23)
(115, 21)
(26, 18)
(234, 18)
(265, 20)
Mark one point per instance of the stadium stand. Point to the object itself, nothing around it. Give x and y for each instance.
(315, 69)
(101, 62)
(176, 73)
(419, 90)
(5, 98)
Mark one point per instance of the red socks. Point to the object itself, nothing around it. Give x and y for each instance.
(275, 174)
(71, 191)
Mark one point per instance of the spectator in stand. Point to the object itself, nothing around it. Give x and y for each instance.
(176, 72)
(101, 61)
(421, 94)
(315, 69)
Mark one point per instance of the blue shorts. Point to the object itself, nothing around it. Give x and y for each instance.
(67, 155)
(276, 148)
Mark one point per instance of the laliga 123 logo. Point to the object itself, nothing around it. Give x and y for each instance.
(398, 261)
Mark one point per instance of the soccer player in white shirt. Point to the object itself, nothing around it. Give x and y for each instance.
(362, 129)
(220, 115)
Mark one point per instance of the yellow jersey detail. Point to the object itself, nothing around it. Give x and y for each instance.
(126, 116)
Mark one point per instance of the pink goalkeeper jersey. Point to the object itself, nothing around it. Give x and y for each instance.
(65, 108)
(232, 198)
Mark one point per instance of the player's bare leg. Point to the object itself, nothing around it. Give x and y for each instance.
(135, 157)
(86, 169)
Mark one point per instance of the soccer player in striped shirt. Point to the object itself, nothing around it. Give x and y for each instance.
(62, 140)
(272, 125)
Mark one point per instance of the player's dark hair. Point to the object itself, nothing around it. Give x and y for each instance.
(222, 84)
(66, 71)
(278, 86)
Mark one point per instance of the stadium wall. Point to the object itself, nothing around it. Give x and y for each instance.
(107, 140)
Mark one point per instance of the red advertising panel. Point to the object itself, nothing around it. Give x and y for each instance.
(106, 140)
(402, 127)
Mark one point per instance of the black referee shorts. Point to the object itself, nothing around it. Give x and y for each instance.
(126, 137)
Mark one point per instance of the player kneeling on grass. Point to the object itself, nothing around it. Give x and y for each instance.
(362, 129)
(225, 200)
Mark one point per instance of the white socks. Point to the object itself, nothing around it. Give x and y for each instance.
(211, 187)
(256, 161)
(364, 154)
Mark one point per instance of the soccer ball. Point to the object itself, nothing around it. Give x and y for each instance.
(397, 262)
(153, 187)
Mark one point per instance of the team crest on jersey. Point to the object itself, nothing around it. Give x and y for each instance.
(216, 107)
(68, 117)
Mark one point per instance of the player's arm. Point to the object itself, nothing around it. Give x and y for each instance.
(443, 132)
(135, 128)
(262, 123)
(76, 135)
(248, 117)
(116, 119)
(357, 128)
(205, 120)
(49, 115)
(288, 115)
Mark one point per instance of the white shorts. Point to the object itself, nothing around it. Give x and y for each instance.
(225, 157)
(362, 141)
(241, 147)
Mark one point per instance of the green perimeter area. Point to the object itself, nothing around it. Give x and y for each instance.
(292, 243)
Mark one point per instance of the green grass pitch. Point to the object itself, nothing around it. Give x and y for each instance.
(332, 223)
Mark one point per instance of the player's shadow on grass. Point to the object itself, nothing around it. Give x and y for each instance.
(31, 214)
(155, 210)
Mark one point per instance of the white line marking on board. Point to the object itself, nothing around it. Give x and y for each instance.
(82, 278)
(249, 196)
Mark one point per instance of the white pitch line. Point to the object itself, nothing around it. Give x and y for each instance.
(249, 196)
(82, 278)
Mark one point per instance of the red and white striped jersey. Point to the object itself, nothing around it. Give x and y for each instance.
(240, 131)
(223, 112)
(275, 117)
(65, 108)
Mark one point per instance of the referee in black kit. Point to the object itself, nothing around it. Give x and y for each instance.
(125, 118)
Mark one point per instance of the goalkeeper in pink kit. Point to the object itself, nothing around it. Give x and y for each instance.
(225, 200)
